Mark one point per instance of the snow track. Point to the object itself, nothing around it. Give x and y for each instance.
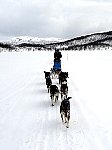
(27, 119)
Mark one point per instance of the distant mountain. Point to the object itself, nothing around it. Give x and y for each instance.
(34, 40)
(90, 41)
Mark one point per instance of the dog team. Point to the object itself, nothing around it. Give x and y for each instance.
(53, 89)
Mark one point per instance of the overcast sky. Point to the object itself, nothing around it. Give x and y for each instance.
(54, 18)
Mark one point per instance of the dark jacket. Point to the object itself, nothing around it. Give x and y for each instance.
(57, 55)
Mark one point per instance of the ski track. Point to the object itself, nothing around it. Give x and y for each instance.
(86, 135)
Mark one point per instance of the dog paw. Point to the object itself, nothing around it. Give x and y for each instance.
(62, 121)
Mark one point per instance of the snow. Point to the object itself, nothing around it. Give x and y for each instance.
(27, 119)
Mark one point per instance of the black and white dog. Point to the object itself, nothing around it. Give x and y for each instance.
(47, 74)
(64, 90)
(65, 111)
(54, 73)
(48, 80)
(54, 93)
(48, 83)
(63, 77)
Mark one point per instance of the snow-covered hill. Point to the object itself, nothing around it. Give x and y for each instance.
(27, 119)
(34, 40)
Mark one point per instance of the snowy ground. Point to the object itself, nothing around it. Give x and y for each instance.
(27, 119)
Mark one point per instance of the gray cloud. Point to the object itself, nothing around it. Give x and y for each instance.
(58, 18)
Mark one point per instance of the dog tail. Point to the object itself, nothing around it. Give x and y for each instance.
(69, 98)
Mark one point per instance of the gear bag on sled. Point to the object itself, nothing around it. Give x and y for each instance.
(57, 65)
